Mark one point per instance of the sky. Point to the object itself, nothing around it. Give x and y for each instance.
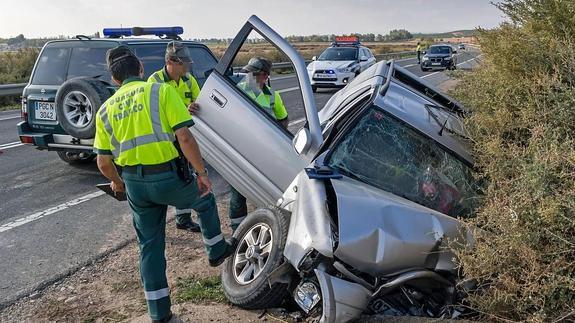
(223, 18)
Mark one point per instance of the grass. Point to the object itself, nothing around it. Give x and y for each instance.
(199, 290)
(9, 107)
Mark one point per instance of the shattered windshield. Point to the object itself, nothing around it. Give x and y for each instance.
(338, 54)
(386, 153)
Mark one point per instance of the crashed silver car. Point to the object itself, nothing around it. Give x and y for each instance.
(362, 199)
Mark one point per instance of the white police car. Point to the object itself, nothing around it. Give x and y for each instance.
(339, 64)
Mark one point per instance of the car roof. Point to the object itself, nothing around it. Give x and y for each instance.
(128, 41)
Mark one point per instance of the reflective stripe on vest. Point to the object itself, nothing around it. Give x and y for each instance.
(158, 136)
(158, 79)
(252, 94)
(189, 82)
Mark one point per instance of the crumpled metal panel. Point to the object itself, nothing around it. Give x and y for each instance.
(383, 234)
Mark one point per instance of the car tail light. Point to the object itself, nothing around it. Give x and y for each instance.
(24, 111)
(26, 140)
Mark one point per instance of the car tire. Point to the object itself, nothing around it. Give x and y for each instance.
(75, 158)
(77, 102)
(253, 291)
(314, 89)
(423, 69)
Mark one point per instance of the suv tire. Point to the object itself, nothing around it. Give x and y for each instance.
(255, 292)
(77, 102)
(72, 157)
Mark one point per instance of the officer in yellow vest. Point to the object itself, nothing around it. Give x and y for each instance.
(176, 74)
(254, 85)
(136, 129)
(418, 50)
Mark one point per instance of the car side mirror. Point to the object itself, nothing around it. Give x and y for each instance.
(363, 59)
(302, 141)
(314, 58)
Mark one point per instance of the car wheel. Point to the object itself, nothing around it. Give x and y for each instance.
(424, 69)
(72, 157)
(261, 241)
(314, 89)
(77, 102)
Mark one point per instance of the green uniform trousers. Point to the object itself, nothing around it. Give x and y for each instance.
(238, 209)
(149, 197)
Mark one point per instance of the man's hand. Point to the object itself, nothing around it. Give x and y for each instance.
(118, 187)
(204, 185)
(193, 108)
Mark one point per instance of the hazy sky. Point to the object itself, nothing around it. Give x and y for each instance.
(223, 18)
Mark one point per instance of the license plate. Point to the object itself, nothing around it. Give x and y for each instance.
(324, 76)
(45, 111)
(435, 64)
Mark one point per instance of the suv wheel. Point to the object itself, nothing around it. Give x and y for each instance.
(74, 157)
(262, 237)
(77, 102)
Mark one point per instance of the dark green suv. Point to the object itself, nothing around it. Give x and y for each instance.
(70, 81)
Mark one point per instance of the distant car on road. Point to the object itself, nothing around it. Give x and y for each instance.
(440, 56)
(339, 64)
(461, 46)
(70, 81)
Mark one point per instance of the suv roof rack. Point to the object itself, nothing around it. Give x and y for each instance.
(161, 32)
(80, 37)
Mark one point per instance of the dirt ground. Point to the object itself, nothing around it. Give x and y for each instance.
(110, 290)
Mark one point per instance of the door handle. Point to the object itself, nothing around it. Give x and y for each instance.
(218, 98)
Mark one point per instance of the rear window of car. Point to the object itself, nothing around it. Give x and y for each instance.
(86, 61)
(386, 153)
(51, 66)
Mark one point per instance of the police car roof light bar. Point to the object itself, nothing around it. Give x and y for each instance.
(162, 32)
(346, 41)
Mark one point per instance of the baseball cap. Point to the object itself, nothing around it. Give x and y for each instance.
(178, 52)
(258, 64)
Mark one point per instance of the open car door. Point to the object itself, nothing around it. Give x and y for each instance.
(242, 141)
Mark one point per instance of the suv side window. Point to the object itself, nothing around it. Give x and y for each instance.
(203, 62)
(51, 66)
(87, 61)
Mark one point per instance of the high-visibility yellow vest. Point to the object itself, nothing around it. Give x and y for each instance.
(269, 100)
(137, 124)
(187, 87)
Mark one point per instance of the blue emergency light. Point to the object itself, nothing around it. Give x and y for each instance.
(168, 32)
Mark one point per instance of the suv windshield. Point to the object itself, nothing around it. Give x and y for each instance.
(439, 50)
(338, 54)
(383, 152)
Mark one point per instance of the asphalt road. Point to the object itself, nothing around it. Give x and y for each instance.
(52, 218)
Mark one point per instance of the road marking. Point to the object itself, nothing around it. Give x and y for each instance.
(282, 77)
(11, 145)
(405, 59)
(410, 65)
(52, 210)
(296, 122)
(428, 75)
(288, 89)
(469, 60)
(10, 118)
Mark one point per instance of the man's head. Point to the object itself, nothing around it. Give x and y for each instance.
(178, 59)
(123, 63)
(261, 69)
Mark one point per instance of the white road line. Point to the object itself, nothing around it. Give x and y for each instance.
(9, 143)
(9, 118)
(428, 75)
(405, 59)
(296, 121)
(282, 77)
(288, 89)
(410, 65)
(52, 210)
(469, 60)
(13, 146)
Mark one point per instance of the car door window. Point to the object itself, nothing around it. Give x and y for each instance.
(384, 152)
(279, 97)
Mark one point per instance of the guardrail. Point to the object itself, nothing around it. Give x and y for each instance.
(16, 89)
(12, 89)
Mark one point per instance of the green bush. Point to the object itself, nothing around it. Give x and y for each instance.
(16, 67)
(523, 132)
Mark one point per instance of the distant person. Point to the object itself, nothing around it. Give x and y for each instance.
(418, 50)
(136, 129)
(254, 85)
(176, 73)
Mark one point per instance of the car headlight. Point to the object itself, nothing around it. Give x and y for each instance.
(344, 70)
(425, 58)
(447, 58)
